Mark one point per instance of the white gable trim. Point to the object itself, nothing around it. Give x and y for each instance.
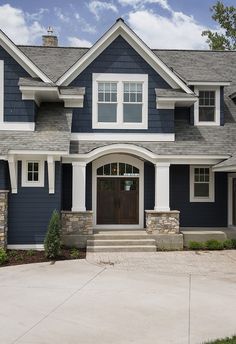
(21, 58)
(120, 28)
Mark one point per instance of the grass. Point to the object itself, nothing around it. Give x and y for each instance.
(228, 340)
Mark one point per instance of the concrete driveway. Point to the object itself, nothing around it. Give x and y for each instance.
(166, 297)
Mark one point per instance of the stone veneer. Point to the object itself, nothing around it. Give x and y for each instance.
(77, 222)
(162, 222)
(3, 218)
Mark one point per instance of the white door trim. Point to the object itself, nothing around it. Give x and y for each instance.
(124, 159)
(231, 176)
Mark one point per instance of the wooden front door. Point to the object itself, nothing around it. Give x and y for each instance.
(117, 201)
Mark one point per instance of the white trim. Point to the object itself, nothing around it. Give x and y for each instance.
(144, 137)
(162, 186)
(13, 171)
(51, 174)
(209, 83)
(17, 126)
(211, 197)
(119, 79)
(38, 247)
(24, 172)
(120, 28)
(170, 103)
(79, 186)
(217, 106)
(21, 58)
(56, 154)
(125, 159)
(231, 176)
(1, 91)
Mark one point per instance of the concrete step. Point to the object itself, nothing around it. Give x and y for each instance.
(121, 242)
(131, 248)
(202, 236)
(120, 235)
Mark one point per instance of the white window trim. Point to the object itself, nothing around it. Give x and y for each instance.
(24, 173)
(211, 197)
(217, 105)
(119, 79)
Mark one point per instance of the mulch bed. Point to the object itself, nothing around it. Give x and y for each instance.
(18, 257)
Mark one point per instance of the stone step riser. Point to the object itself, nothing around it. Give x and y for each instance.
(134, 242)
(121, 248)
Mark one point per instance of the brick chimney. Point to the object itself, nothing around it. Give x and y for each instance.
(50, 40)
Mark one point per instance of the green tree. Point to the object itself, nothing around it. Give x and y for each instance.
(52, 242)
(225, 16)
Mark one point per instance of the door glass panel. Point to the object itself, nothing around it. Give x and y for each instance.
(114, 169)
(107, 170)
(128, 185)
(106, 185)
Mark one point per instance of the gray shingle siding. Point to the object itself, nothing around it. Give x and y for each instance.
(31, 208)
(120, 57)
(15, 109)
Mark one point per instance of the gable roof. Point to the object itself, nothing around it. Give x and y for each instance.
(121, 29)
(21, 58)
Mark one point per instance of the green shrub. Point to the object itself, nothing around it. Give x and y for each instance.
(231, 340)
(30, 253)
(214, 245)
(52, 242)
(228, 245)
(233, 243)
(3, 256)
(195, 245)
(74, 253)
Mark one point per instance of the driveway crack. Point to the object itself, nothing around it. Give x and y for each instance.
(60, 304)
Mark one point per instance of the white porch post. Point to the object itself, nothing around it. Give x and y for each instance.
(162, 186)
(78, 186)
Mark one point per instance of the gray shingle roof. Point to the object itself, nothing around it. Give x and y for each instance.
(52, 132)
(172, 93)
(33, 82)
(53, 61)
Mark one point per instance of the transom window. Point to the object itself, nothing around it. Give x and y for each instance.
(202, 184)
(120, 101)
(33, 171)
(207, 106)
(118, 169)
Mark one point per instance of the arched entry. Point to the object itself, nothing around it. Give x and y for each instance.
(118, 192)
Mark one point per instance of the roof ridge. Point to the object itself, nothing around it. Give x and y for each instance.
(197, 50)
(49, 47)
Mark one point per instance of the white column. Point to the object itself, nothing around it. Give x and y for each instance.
(162, 186)
(51, 174)
(78, 186)
(12, 162)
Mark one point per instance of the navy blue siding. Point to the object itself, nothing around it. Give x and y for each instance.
(120, 57)
(197, 214)
(31, 208)
(4, 175)
(67, 186)
(149, 187)
(15, 109)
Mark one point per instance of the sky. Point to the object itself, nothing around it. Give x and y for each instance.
(162, 24)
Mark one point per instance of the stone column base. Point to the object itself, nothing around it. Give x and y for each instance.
(3, 218)
(77, 222)
(162, 222)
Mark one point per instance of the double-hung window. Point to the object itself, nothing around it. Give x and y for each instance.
(207, 108)
(201, 184)
(120, 101)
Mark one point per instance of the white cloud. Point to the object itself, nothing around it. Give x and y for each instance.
(37, 15)
(141, 3)
(84, 25)
(77, 42)
(96, 7)
(179, 31)
(13, 22)
(60, 15)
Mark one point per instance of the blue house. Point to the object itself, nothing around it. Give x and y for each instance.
(117, 137)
